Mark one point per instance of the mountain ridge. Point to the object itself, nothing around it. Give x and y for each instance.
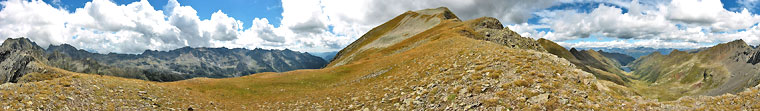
(379, 37)
(590, 61)
(179, 64)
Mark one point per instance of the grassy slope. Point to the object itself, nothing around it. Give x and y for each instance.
(355, 51)
(669, 77)
(589, 61)
(63, 90)
(417, 67)
(556, 49)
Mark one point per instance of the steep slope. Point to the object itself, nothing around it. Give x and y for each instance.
(396, 30)
(556, 49)
(405, 29)
(18, 57)
(590, 61)
(724, 68)
(601, 65)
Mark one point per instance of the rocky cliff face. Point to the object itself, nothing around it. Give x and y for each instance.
(755, 58)
(490, 29)
(18, 57)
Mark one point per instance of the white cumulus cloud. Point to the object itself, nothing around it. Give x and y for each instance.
(663, 24)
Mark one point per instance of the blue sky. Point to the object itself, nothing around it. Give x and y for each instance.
(122, 26)
(244, 10)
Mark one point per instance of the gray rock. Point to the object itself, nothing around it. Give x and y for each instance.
(539, 99)
(17, 58)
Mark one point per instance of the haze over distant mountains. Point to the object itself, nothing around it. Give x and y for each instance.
(638, 51)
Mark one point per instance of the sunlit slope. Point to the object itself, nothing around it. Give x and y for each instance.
(451, 70)
(724, 68)
(447, 71)
(396, 30)
(58, 89)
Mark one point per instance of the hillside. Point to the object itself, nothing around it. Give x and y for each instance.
(620, 58)
(603, 67)
(449, 65)
(724, 68)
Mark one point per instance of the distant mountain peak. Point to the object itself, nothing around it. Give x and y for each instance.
(19, 56)
(441, 12)
(20, 43)
(62, 47)
(393, 32)
(737, 43)
(413, 28)
(573, 50)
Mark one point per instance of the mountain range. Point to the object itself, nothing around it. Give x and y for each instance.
(724, 68)
(173, 65)
(637, 51)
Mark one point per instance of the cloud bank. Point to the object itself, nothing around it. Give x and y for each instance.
(672, 24)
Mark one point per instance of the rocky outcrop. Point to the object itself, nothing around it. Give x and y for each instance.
(492, 30)
(18, 57)
(755, 58)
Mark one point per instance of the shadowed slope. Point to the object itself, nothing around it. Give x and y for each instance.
(590, 61)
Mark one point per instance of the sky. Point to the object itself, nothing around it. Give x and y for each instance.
(133, 26)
